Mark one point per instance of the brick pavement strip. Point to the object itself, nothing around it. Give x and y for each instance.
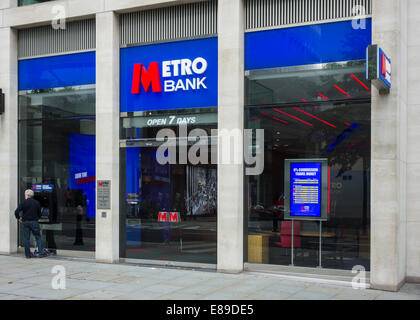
(22, 279)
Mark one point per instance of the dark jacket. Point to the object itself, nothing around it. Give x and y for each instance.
(31, 210)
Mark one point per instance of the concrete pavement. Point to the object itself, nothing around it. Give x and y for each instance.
(25, 279)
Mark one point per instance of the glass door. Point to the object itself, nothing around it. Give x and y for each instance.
(168, 211)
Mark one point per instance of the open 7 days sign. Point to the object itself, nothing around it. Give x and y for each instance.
(169, 76)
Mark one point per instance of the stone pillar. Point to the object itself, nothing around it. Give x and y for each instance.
(230, 208)
(413, 142)
(5, 4)
(8, 141)
(107, 132)
(389, 161)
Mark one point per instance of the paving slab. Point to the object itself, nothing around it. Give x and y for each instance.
(287, 288)
(165, 288)
(86, 284)
(124, 289)
(39, 280)
(9, 297)
(396, 296)
(96, 295)
(5, 280)
(307, 295)
(411, 288)
(349, 296)
(199, 290)
(224, 295)
(141, 295)
(44, 293)
(13, 286)
(330, 290)
(270, 295)
(102, 277)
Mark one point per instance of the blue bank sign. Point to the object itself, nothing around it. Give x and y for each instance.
(169, 76)
(378, 68)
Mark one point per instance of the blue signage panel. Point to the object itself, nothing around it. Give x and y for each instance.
(82, 168)
(132, 173)
(43, 187)
(173, 75)
(321, 43)
(58, 71)
(305, 187)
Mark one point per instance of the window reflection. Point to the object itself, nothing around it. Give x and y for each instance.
(57, 161)
(28, 2)
(307, 113)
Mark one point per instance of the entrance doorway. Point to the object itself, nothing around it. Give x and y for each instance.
(168, 211)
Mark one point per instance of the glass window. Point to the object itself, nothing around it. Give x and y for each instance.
(169, 210)
(28, 2)
(311, 112)
(57, 161)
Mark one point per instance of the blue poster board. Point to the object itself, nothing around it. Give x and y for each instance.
(82, 168)
(305, 186)
(306, 189)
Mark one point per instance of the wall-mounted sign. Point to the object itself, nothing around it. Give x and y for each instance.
(170, 120)
(42, 187)
(1, 102)
(310, 44)
(104, 194)
(169, 217)
(169, 76)
(378, 68)
(57, 71)
(306, 189)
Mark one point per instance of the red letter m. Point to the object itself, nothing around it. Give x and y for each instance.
(146, 78)
(173, 217)
(163, 217)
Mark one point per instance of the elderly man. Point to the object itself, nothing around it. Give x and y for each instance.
(31, 212)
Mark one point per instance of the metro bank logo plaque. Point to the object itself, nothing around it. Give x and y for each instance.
(175, 75)
(182, 67)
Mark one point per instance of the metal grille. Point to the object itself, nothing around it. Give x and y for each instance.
(170, 23)
(273, 13)
(39, 41)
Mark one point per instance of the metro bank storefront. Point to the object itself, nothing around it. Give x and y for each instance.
(304, 86)
(92, 124)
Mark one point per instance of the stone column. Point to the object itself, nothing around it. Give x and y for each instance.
(413, 142)
(8, 141)
(389, 161)
(107, 132)
(5, 4)
(230, 175)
